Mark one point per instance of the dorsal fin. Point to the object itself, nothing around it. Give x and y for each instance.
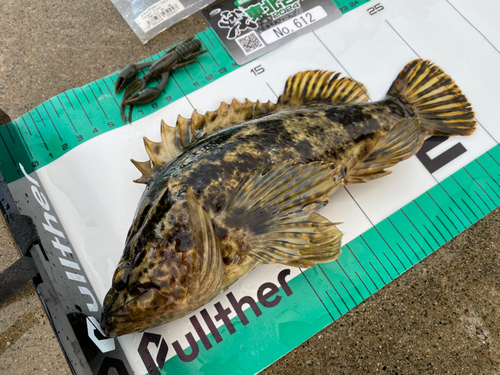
(304, 87)
(321, 86)
(189, 131)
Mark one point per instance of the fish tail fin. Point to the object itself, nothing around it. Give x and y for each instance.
(438, 102)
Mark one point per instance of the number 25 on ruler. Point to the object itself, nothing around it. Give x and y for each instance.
(375, 9)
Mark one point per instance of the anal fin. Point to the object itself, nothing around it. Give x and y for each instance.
(400, 143)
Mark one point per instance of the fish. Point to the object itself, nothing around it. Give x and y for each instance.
(239, 187)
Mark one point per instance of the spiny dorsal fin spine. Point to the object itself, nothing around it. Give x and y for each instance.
(156, 152)
(168, 139)
(145, 168)
(183, 131)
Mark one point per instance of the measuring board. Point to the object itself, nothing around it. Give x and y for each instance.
(390, 224)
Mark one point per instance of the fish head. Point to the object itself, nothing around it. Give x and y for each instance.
(158, 275)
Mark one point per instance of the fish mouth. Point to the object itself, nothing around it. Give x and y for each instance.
(117, 320)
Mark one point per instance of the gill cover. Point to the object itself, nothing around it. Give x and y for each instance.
(177, 268)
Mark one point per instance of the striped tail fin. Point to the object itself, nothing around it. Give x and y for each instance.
(436, 99)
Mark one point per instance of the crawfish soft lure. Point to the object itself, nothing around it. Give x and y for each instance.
(180, 56)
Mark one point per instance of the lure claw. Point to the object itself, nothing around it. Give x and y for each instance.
(125, 77)
(145, 96)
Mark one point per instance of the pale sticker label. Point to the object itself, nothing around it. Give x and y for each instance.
(157, 13)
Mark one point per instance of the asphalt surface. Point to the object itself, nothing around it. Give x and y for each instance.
(442, 316)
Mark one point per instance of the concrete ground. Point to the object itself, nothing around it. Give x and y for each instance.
(442, 316)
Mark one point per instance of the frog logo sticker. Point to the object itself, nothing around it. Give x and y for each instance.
(236, 21)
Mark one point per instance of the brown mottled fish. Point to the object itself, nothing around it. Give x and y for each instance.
(240, 186)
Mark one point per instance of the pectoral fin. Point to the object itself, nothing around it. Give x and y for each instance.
(274, 214)
(210, 266)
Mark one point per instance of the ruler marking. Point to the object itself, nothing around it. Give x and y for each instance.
(404, 252)
(482, 200)
(342, 66)
(441, 221)
(470, 23)
(427, 217)
(69, 118)
(364, 213)
(48, 114)
(81, 105)
(415, 52)
(488, 173)
(22, 136)
(461, 187)
(397, 257)
(460, 208)
(355, 257)
(353, 301)
(206, 36)
(314, 290)
(81, 89)
(334, 304)
(420, 246)
(362, 282)
(331, 53)
(8, 129)
(377, 273)
(395, 269)
(484, 191)
(67, 97)
(219, 42)
(201, 66)
(97, 84)
(459, 218)
(376, 257)
(457, 205)
(185, 68)
(50, 100)
(444, 213)
(430, 233)
(270, 88)
(354, 285)
(493, 190)
(5, 144)
(111, 93)
(407, 243)
(50, 118)
(25, 123)
(404, 239)
(333, 286)
(183, 93)
(390, 247)
(38, 130)
(210, 53)
(92, 91)
(471, 209)
(495, 160)
(41, 119)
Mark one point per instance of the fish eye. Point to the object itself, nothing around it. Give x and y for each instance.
(121, 277)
